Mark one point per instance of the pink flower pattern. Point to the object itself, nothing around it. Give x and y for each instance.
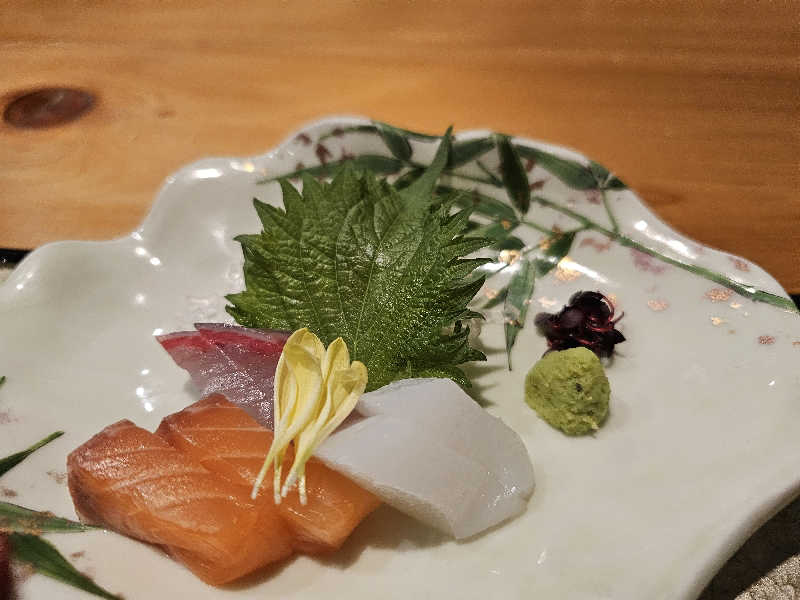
(645, 262)
(597, 245)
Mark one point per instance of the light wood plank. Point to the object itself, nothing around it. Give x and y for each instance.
(694, 105)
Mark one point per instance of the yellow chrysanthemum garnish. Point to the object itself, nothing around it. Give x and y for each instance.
(315, 390)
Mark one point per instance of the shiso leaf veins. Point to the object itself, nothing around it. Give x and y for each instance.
(382, 268)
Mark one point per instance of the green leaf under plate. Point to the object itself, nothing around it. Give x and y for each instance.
(515, 179)
(47, 560)
(518, 298)
(396, 142)
(13, 460)
(18, 519)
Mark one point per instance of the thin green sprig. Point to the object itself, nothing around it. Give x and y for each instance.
(742, 289)
(18, 519)
(9, 462)
(23, 526)
(47, 560)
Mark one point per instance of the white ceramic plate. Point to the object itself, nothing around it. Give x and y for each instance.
(701, 447)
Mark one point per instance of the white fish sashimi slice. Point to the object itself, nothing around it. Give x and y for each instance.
(213, 372)
(442, 406)
(426, 448)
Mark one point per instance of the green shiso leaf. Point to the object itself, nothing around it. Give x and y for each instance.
(379, 267)
(2, 379)
(18, 519)
(45, 559)
(13, 460)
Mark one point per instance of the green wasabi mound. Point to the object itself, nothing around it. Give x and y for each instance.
(569, 390)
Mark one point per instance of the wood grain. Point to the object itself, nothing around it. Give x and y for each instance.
(694, 105)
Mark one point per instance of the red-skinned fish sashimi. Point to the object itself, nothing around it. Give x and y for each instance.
(234, 361)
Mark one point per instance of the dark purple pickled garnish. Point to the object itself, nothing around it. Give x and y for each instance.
(587, 320)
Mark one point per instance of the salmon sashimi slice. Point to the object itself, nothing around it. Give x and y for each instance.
(132, 481)
(229, 442)
(335, 506)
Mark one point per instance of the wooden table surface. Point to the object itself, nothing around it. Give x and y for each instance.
(694, 106)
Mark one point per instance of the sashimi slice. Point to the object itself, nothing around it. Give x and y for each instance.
(335, 507)
(220, 436)
(213, 372)
(132, 481)
(462, 426)
(426, 448)
(235, 361)
(254, 351)
(229, 442)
